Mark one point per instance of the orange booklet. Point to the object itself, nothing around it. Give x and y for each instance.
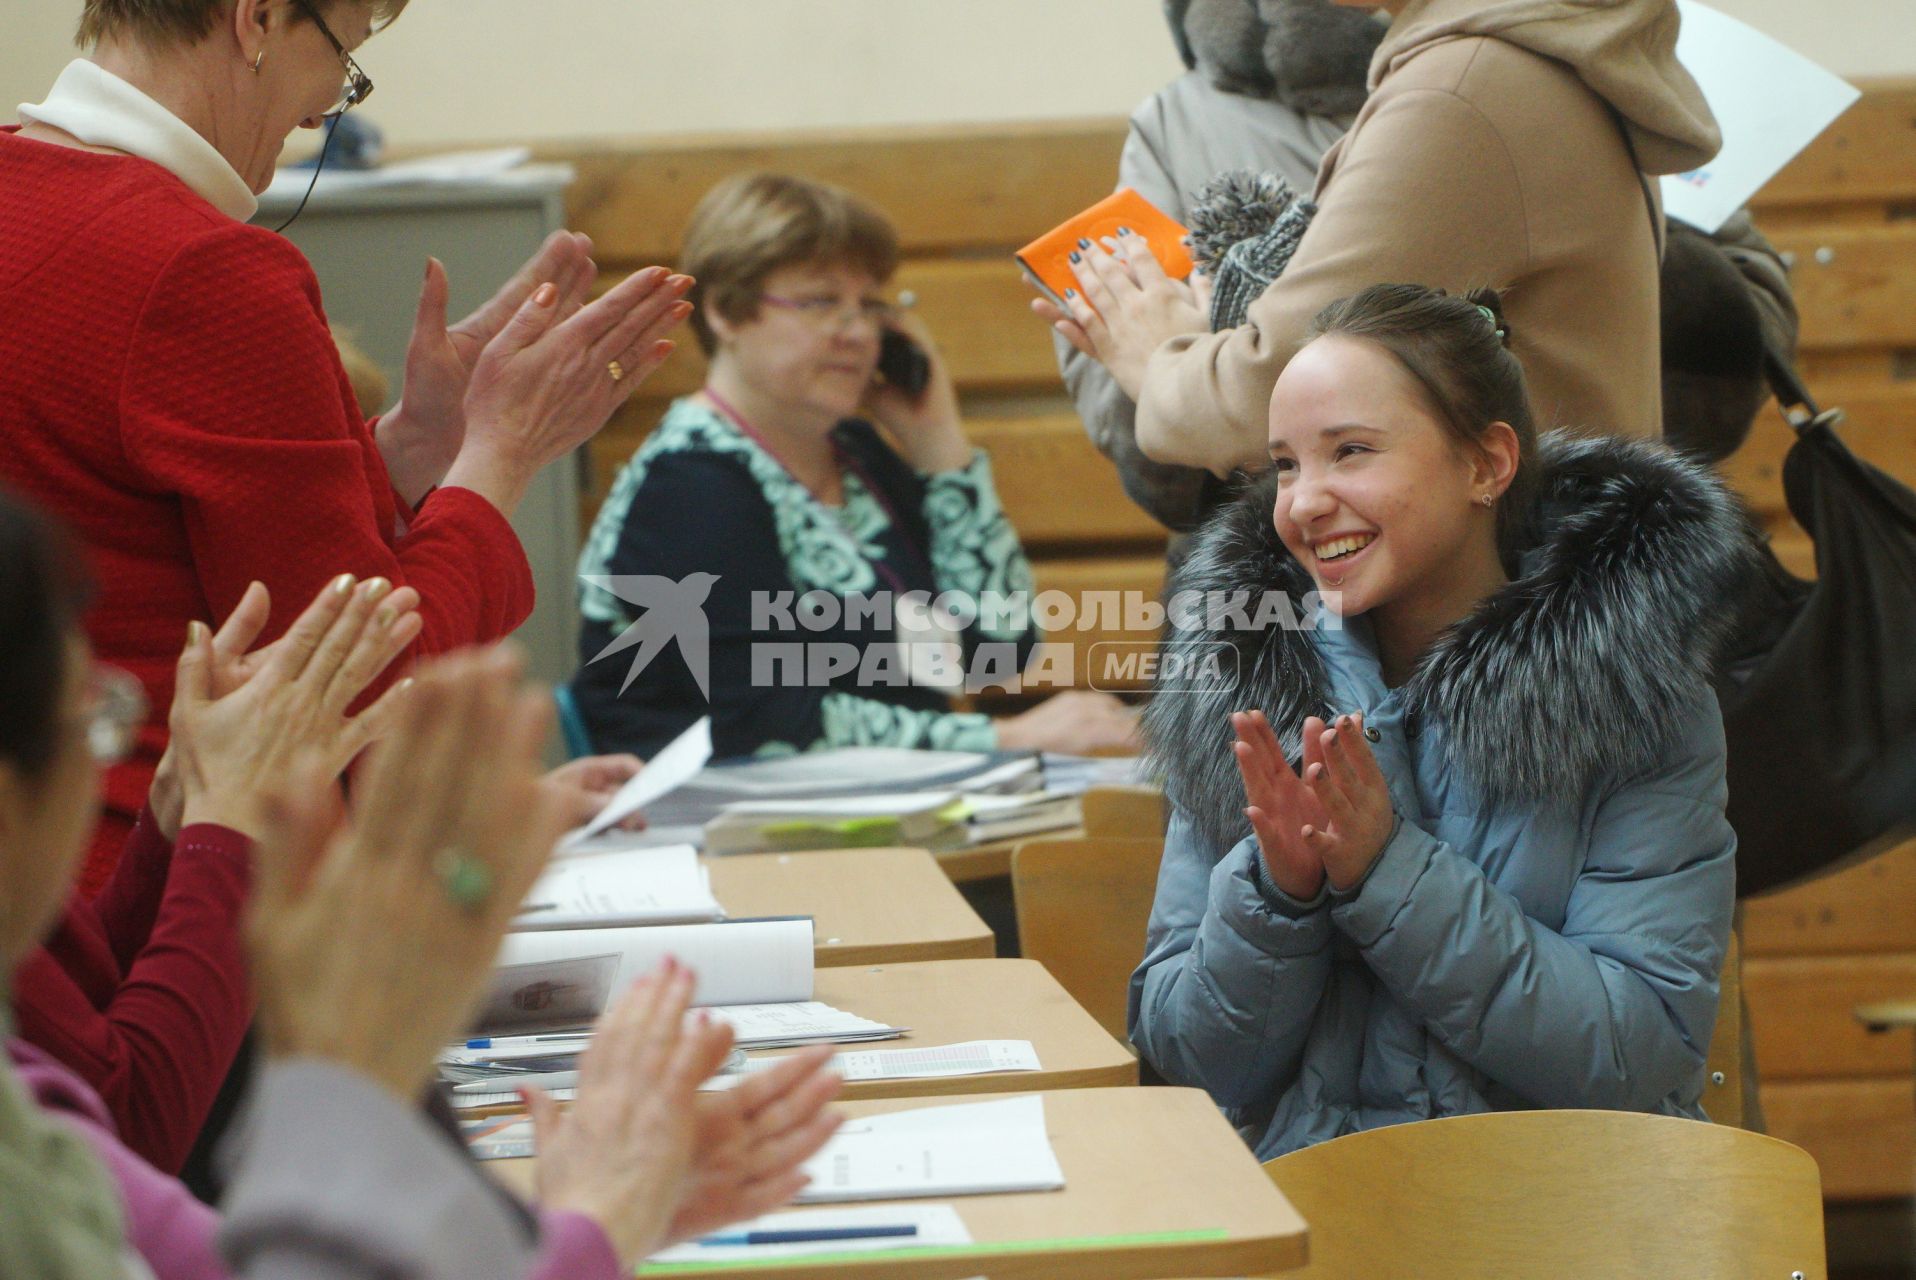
(1047, 260)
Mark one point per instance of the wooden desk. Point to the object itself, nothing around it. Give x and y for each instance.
(1157, 1184)
(872, 906)
(951, 1001)
(983, 861)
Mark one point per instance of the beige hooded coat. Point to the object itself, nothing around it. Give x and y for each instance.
(1488, 153)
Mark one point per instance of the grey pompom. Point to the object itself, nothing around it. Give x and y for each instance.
(1231, 207)
(1244, 228)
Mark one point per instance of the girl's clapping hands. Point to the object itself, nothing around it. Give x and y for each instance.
(1330, 823)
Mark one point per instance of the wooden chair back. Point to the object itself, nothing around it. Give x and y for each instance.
(1082, 909)
(1565, 1194)
(1126, 813)
(1723, 1082)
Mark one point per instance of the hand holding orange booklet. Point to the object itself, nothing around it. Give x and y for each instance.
(1047, 260)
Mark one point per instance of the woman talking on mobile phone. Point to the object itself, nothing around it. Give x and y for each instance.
(795, 486)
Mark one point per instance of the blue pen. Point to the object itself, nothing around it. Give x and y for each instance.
(811, 1235)
(500, 1042)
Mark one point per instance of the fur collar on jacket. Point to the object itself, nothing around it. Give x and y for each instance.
(1553, 681)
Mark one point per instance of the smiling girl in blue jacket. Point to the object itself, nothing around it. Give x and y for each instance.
(1461, 846)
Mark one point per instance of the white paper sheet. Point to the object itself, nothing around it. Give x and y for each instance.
(930, 1062)
(737, 961)
(677, 761)
(666, 885)
(1769, 100)
(938, 1226)
(967, 1149)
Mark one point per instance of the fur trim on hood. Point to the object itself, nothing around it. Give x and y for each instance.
(1549, 685)
(1624, 50)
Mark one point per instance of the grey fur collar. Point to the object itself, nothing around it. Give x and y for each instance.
(1552, 683)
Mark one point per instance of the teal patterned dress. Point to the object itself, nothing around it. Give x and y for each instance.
(707, 548)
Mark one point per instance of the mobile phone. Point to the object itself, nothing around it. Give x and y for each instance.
(902, 363)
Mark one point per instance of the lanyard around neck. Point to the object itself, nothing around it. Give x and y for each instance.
(844, 461)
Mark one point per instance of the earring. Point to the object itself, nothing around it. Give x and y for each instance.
(1488, 499)
(257, 59)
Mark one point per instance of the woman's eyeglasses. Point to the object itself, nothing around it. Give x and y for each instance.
(358, 86)
(823, 311)
(115, 709)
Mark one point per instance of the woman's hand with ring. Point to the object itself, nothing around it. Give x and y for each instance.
(363, 953)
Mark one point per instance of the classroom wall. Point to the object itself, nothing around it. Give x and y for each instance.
(473, 72)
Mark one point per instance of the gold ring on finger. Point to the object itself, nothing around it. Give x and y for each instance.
(616, 369)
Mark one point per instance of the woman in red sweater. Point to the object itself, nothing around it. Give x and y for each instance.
(171, 389)
(142, 991)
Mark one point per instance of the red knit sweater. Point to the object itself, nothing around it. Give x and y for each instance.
(169, 387)
(142, 992)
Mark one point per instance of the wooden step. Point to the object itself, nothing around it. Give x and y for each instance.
(1862, 1133)
(1802, 1015)
(947, 188)
(1864, 908)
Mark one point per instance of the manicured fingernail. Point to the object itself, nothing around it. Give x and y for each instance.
(1124, 231)
(342, 584)
(1076, 256)
(385, 616)
(545, 295)
(405, 686)
(195, 632)
(1070, 293)
(375, 588)
(1083, 243)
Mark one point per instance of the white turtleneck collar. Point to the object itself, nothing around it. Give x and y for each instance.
(102, 110)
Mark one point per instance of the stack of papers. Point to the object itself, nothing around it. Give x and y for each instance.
(1003, 817)
(788, 1025)
(970, 1149)
(932, 1062)
(843, 772)
(664, 885)
(926, 819)
(1075, 775)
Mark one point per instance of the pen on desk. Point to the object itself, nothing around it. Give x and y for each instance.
(810, 1235)
(506, 1042)
(508, 1082)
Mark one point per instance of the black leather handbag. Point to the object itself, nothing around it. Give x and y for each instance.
(1818, 687)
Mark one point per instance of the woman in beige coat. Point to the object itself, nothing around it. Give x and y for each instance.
(1505, 143)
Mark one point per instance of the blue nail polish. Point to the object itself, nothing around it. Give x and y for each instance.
(1124, 231)
(1083, 243)
(1070, 293)
(1076, 256)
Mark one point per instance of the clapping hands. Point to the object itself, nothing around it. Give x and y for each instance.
(1125, 307)
(651, 1160)
(1330, 823)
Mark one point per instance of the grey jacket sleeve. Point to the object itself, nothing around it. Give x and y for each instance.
(1233, 971)
(335, 1179)
(1615, 1009)
(1171, 495)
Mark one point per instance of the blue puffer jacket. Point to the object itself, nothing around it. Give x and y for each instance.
(1546, 926)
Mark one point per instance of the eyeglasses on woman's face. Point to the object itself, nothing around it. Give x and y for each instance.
(830, 312)
(358, 86)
